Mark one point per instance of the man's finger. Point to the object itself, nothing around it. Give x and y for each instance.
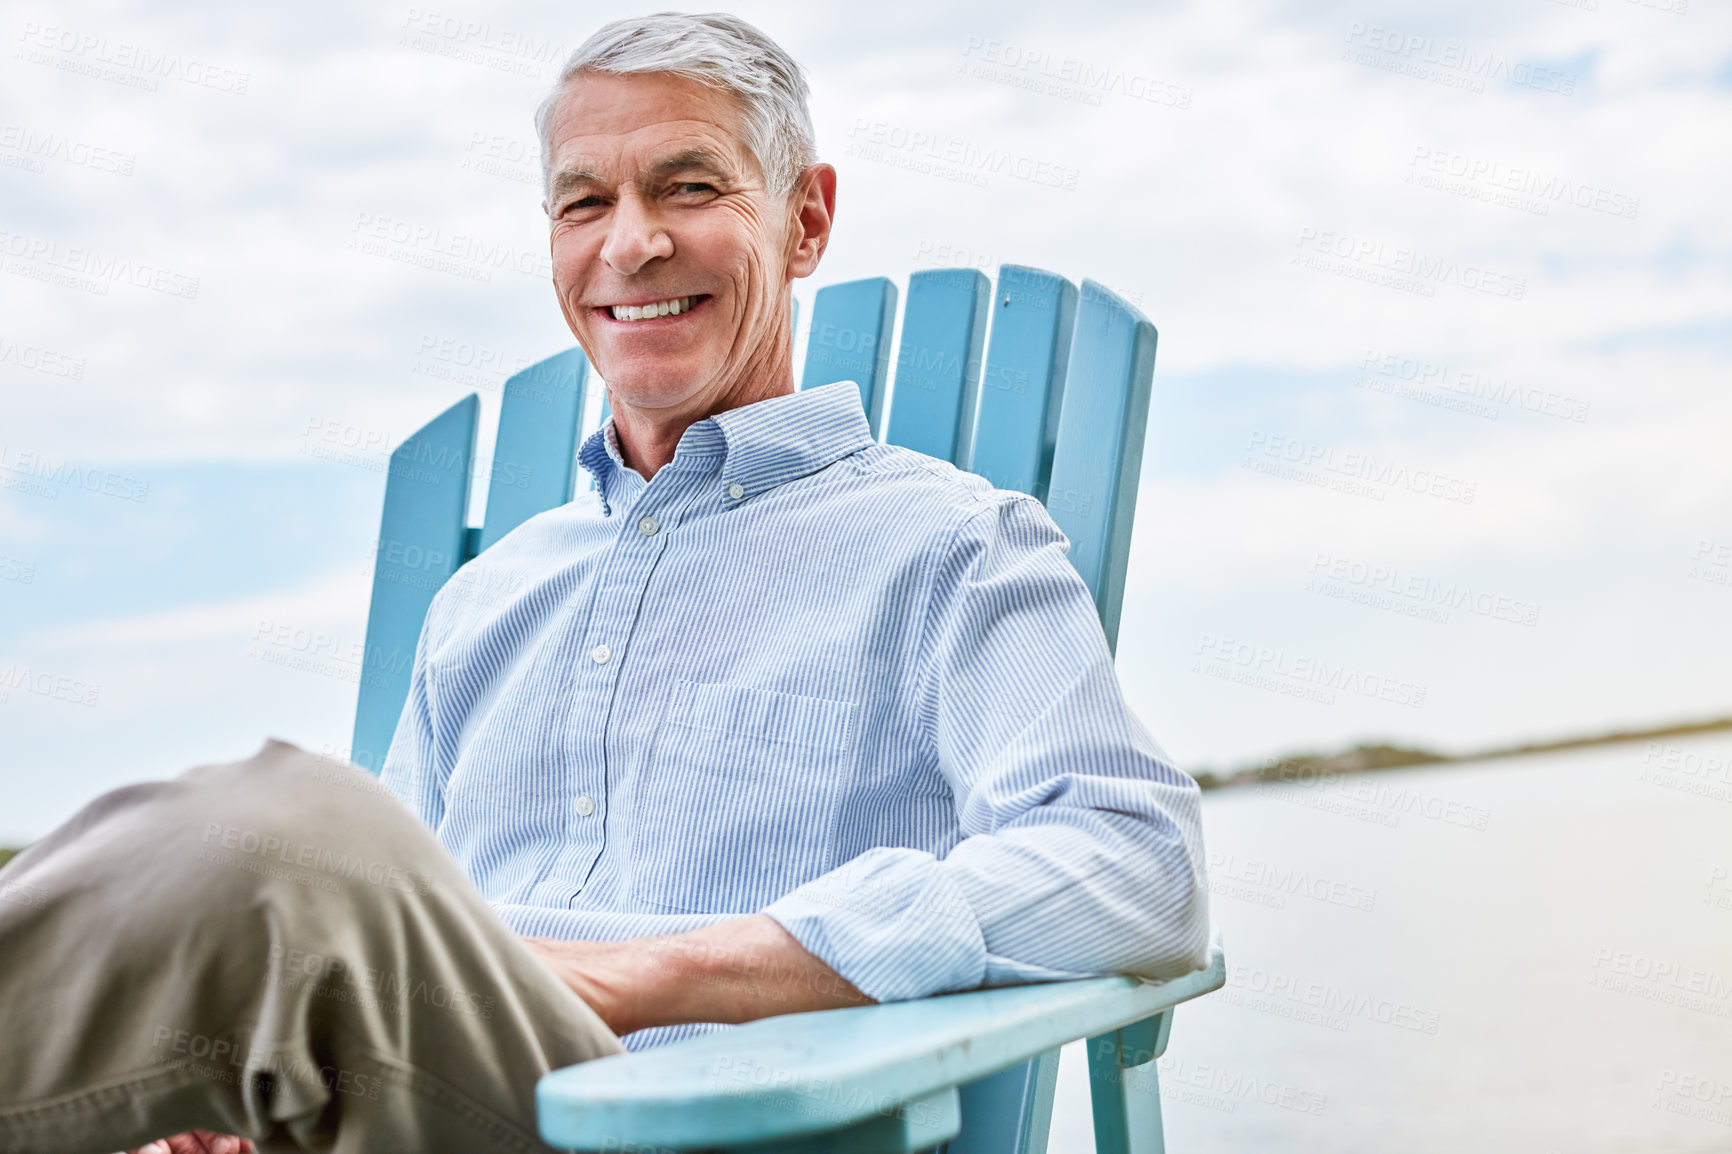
(176, 1144)
(198, 1142)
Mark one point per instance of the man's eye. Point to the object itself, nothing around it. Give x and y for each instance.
(693, 188)
(580, 204)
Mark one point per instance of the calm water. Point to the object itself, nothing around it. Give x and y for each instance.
(1531, 955)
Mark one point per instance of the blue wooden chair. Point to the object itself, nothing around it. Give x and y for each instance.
(1058, 410)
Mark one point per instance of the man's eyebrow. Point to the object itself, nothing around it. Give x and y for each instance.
(568, 178)
(690, 158)
(683, 161)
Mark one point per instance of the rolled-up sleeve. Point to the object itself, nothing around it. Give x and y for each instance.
(1081, 851)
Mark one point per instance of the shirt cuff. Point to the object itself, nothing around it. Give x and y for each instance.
(892, 922)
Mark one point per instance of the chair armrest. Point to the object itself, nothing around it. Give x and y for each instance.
(803, 1074)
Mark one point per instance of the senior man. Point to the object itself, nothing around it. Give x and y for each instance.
(776, 719)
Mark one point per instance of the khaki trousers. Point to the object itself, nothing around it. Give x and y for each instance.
(273, 948)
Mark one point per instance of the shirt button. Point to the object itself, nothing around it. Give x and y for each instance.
(648, 526)
(585, 806)
(600, 654)
(736, 490)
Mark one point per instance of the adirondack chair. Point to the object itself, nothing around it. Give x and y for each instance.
(1058, 412)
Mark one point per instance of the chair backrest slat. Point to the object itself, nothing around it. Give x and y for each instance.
(1093, 495)
(421, 543)
(938, 363)
(534, 454)
(850, 340)
(1033, 316)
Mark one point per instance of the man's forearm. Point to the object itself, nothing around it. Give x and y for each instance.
(734, 971)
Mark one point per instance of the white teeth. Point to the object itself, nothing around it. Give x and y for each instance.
(670, 308)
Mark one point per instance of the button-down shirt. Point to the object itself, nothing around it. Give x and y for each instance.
(800, 672)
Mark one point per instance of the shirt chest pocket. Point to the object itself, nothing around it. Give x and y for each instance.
(735, 804)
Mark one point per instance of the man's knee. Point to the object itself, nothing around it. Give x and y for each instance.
(281, 829)
(312, 822)
(283, 783)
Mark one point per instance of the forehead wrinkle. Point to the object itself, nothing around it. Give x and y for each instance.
(576, 169)
(692, 156)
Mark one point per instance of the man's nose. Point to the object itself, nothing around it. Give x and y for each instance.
(635, 237)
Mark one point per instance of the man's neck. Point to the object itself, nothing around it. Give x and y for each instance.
(648, 437)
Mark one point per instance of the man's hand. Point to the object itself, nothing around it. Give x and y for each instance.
(198, 1142)
(734, 971)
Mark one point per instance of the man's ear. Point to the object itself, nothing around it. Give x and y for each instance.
(812, 212)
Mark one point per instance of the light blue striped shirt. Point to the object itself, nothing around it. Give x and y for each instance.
(803, 673)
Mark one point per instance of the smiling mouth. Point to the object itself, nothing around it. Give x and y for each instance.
(653, 310)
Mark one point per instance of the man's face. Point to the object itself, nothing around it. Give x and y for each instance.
(655, 199)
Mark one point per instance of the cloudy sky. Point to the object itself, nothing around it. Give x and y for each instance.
(1481, 245)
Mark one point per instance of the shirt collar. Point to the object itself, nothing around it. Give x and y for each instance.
(761, 445)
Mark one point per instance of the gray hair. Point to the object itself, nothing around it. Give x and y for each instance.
(719, 50)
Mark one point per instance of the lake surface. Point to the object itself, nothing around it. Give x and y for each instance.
(1527, 955)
